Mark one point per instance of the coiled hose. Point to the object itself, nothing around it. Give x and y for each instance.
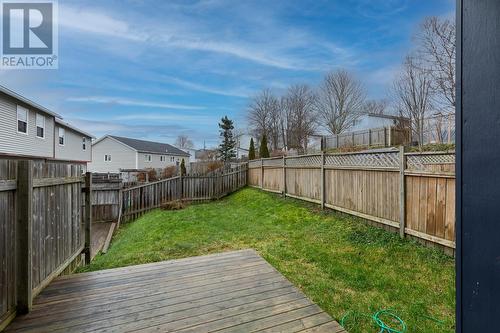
(377, 319)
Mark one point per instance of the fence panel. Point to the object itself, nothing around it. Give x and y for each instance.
(8, 171)
(105, 198)
(56, 227)
(382, 136)
(370, 192)
(141, 199)
(369, 184)
(254, 173)
(57, 233)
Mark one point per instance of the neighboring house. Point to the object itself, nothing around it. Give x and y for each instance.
(373, 120)
(28, 130)
(241, 153)
(191, 152)
(113, 153)
(205, 155)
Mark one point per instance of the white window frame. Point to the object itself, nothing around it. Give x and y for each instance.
(40, 116)
(106, 159)
(26, 111)
(84, 143)
(148, 158)
(59, 129)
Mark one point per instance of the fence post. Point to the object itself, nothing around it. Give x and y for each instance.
(369, 137)
(284, 176)
(385, 136)
(322, 180)
(88, 217)
(261, 173)
(402, 192)
(24, 199)
(182, 186)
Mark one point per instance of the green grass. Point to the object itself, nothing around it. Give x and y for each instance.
(341, 263)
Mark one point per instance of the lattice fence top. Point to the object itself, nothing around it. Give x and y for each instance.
(306, 160)
(433, 162)
(273, 162)
(254, 163)
(374, 160)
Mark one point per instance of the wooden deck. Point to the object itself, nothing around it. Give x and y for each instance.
(230, 292)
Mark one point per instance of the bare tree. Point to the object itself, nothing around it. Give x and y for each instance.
(264, 116)
(412, 90)
(376, 106)
(437, 50)
(340, 101)
(297, 119)
(183, 142)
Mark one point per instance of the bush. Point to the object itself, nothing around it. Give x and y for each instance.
(169, 172)
(214, 165)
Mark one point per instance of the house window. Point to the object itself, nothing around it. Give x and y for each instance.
(22, 120)
(162, 158)
(107, 158)
(147, 158)
(172, 159)
(61, 136)
(84, 143)
(40, 126)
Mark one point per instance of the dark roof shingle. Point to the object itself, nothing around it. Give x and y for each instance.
(144, 146)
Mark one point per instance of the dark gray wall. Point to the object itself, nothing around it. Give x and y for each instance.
(478, 166)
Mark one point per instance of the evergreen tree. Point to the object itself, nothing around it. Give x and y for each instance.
(263, 150)
(226, 148)
(183, 168)
(251, 150)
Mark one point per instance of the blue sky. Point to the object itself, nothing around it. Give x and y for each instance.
(157, 69)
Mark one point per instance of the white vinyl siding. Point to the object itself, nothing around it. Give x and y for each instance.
(12, 142)
(159, 160)
(40, 126)
(72, 148)
(122, 157)
(22, 120)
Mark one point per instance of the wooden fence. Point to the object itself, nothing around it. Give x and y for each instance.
(382, 137)
(41, 228)
(141, 199)
(106, 195)
(412, 193)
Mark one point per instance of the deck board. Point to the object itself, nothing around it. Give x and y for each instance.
(230, 292)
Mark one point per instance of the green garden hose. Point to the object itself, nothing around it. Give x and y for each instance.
(377, 319)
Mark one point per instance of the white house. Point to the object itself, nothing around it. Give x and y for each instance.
(28, 130)
(372, 120)
(114, 153)
(191, 152)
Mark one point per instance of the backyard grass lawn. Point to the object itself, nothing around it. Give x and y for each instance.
(341, 263)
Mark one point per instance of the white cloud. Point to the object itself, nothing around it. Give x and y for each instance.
(129, 102)
(169, 117)
(238, 92)
(91, 21)
(273, 48)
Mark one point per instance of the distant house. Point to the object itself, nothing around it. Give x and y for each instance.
(191, 152)
(372, 120)
(206, 155)
(241, 153)
(114, 153)
(28, 130)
